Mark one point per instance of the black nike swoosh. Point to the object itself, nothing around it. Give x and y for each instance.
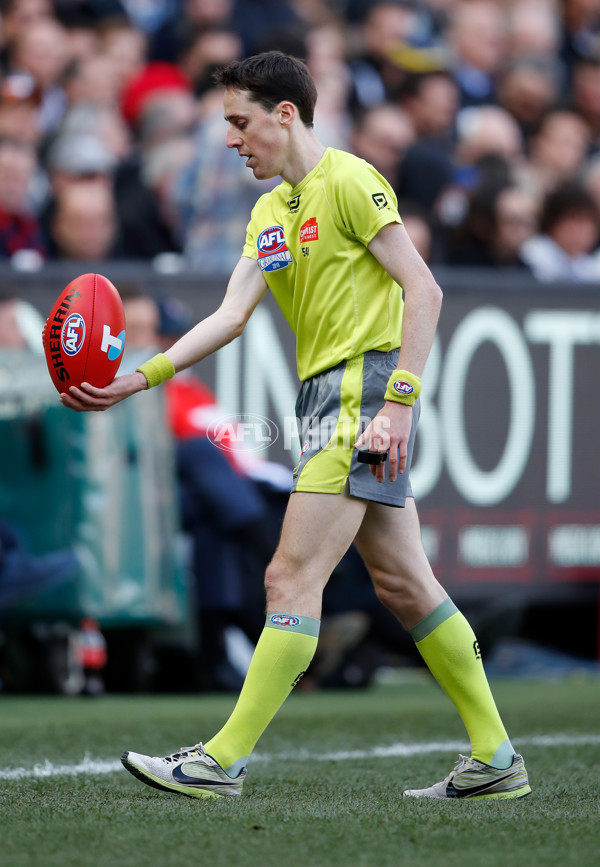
(453, 792)
(180, 777)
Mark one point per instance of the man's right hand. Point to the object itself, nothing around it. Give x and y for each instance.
(88, 398)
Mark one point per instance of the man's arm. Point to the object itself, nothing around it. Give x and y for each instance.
(245, 289)
(390, 429)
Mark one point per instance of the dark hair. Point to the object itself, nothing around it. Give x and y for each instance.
(270, 78)
(414, 81)
(568, 200)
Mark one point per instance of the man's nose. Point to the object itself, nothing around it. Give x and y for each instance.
(233, 139)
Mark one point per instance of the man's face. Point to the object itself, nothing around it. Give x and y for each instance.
(256, 133)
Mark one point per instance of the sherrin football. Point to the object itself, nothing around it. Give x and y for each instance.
(84, 335)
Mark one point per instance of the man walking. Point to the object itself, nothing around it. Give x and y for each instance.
(328, 242)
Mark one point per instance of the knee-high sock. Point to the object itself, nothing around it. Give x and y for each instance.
(283, 653)
(449, 647)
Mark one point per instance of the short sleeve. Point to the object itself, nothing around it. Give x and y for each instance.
(250, 250)
(364, 200)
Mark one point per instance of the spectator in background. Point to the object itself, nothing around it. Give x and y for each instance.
(42, 50)
(79, 156)
(489, 145)
(528, 88)
(84, 225)
(557, 152)
(167, 42)
(92, 79)
(590, 177)
(205, 51)
(585, 94)
(124, 45)
(74, 158)
(477, 35)
(102, 122)
(19, 15)
(161, 167)
(19, 108)
(79, 22)
(432, 101)
(569, 232)
(375, 76)
(381, 136)
(159, 106)
(19, 229)
(580, 31)
(499, 220)
(153, 81)
(488, 130)
(533, 30)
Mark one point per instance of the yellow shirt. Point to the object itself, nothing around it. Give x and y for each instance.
(311, 243)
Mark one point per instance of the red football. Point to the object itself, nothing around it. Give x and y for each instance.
(84, 335)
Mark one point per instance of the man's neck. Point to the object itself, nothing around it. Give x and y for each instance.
(305, 152)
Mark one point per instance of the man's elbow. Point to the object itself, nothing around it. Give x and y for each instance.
(238, 328)
(431, 294)
(235, 321)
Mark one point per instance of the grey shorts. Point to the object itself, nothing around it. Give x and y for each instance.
(333, 408)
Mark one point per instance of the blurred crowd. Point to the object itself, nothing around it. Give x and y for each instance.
(484, 115)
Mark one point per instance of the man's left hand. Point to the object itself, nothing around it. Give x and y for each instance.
(388, 432)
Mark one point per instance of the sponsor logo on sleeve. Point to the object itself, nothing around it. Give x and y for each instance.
(380, 200)
(273, 253)
(309, 231)
(403, 387)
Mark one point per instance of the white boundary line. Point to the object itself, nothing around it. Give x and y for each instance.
(93, 767)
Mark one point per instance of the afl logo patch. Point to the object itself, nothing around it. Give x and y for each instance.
(403, 387)
(73, 334)
(273, 253)
(285, 620)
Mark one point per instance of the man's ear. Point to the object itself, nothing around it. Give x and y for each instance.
(286, 112)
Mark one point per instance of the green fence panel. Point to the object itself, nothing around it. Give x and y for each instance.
(100, 483)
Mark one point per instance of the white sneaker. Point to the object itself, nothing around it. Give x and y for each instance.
(190, 771)
(473, 779)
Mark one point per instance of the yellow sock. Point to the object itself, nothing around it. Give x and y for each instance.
(283, 653)
(449, 647)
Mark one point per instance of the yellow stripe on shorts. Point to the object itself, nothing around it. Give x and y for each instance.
(327, 471)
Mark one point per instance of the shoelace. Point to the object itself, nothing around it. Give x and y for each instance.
(461, 762)
(185, 752)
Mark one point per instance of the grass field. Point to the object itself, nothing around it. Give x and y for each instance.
(324, 790)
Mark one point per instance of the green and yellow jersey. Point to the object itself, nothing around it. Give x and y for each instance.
(310, 242)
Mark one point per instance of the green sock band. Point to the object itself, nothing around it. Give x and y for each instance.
(293, 623)
(424, 627)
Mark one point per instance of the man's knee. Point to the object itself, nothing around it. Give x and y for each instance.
(392, 590)
(288, 581)
(275, 575)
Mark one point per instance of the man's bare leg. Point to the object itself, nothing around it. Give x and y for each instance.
(317, 531)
